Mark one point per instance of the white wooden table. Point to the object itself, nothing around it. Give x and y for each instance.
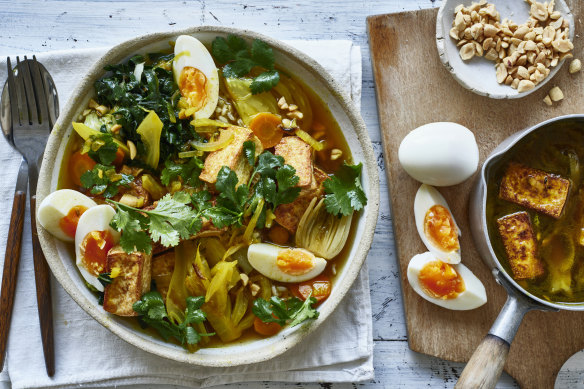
(34, 26)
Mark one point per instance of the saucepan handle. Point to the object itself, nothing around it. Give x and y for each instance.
(486, 364)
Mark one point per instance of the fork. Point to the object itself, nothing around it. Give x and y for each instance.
(30, 130)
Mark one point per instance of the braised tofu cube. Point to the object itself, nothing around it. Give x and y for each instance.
(520, 246)
(162, 268)
(297, 154)
(231, 156)
(288, 215)
(133, 280)
(535, 189)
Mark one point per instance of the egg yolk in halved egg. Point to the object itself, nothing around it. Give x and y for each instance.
(193, 86)
(440, 229)
(68, 223)
(94, 249)
(294, 262)
(441, 280)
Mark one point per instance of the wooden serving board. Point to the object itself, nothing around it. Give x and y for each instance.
(413, 88)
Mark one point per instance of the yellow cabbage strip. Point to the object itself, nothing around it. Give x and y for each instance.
(305, 136)
(225, 138)
(232, 250)
(247, 104)
(246, 322)
(241, 304)
(252, 222)
(218, 301)
(150, 130)
(208, 123)
(152, 186)
(184, 257)
(214, 250)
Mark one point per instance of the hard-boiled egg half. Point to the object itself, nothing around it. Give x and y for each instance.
(436, 224)
(284, 264)
(196, 75)
(439, 154)
(449, 286)
(93, 239)
(60, 211)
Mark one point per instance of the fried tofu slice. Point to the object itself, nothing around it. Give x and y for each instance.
(520, 245)
(131, 283)
(231, 156)
(162, 268)
(297, 154)
(288, 215)
(535, 189)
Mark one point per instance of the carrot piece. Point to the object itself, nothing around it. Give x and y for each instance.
(279, 235)
(320, 286)
(79, 164)
(120, 155)
(265, 329)
(265, 126)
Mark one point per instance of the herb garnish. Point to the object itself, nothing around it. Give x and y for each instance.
(292, 310)
(151, 307)
(188, 171)
(239, 60)
(344, 193)
(101, 148)
(103, 180)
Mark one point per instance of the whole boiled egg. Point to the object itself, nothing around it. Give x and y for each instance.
(439, 154)
(449, 286)
(196, 75)
(436, 225)
(60, 211)
(284, 264)
(93, 239)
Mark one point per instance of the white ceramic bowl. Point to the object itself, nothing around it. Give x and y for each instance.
(478, 74)
(63, 264)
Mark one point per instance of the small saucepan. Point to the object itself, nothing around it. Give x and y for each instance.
(486, 364)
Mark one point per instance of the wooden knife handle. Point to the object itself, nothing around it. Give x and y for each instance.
(486, 364)
(10, 272)
(43, 288)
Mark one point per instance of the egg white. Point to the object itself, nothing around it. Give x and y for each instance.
(97, 218)
(439, 154)
(189, 51)
(263, 257)
(426, 197)
(472, 297)
(56, 206)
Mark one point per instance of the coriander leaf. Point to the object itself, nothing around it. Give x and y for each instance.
(262, 54)
(153, 313)
(103, 180)
(267, 164)
(265, 312)
(344, 193)
(102, 148)
(189, 172)
(200, 200)
(249, 151)
(280, 311)
(133, 238)
(264, 82)
(305, 312)
(222, 217)
(238, 68)
(231, 196)
(171, 220)
(225, 50)
(287, 191)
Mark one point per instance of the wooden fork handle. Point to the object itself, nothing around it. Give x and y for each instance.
(43, 288)
(10, 272)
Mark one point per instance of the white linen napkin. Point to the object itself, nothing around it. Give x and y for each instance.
(88, 354)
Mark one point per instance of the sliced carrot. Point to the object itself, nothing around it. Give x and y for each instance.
(79, 164)
(120, 155)
(320, 287)
(279, 235)
(265, 329)
(265, 126)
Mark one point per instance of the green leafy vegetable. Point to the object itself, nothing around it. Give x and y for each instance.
(103, 180)
(239, 60)
(293, 310)
(189, 172)
(249, 151)
(344, 193)
(102, 148)
(277, 181)
(105, 279)
(151, 307)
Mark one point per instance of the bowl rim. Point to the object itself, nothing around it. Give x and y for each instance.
(442, 37)
(353, 267)
(499, 152)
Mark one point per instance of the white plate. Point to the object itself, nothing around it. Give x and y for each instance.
(478, 74)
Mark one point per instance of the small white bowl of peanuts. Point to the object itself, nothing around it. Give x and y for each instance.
(504, 49)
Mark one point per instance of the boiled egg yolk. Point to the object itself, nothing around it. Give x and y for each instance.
(294, 262)
(68, 223)
(193, 86)
(440, 229)
(441, 280)
(94, 249)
